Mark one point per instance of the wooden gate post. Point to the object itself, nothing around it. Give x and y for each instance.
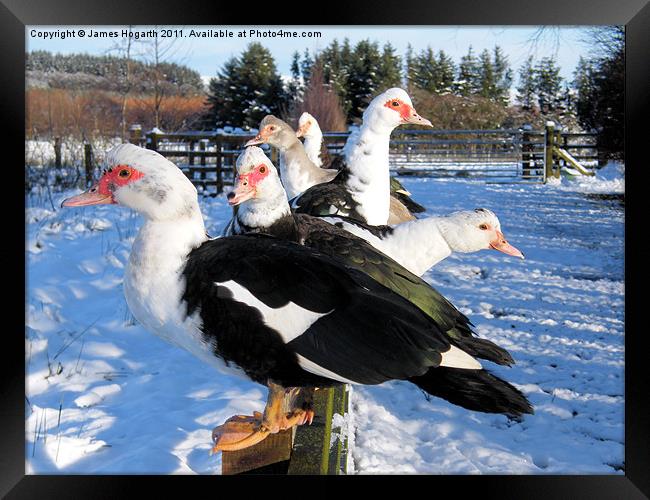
(57, 152)
(548, 150)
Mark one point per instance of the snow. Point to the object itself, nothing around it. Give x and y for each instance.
(106, 396)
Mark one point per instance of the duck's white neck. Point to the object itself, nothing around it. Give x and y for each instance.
(420, 244)
(295, 168)
(153, 283)
(369, 179)
(312, 146)
(259, 214)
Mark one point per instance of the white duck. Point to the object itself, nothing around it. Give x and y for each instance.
(316, 150)
(362, 190)
(420, 244)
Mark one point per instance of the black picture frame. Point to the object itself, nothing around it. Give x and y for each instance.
(634, 14)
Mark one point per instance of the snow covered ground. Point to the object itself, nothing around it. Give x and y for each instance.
(106, 396)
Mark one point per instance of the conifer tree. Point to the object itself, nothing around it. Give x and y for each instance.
(222, 97)
(410, 73)
(583, 84)
(363, 77)
(502, 76)
(526, 94)
(295, 86)
(487, 81)
(334, 60)
(600, 83)
(246, 89)
(306, 65)
(389, 73)
(447, 72)
(468, 75)
(426, 69)
(548, 85)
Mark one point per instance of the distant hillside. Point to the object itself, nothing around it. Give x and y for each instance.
(89, 72)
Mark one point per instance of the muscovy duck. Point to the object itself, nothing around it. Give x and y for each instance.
(315, 147)
(402, 206)
(283, 314)
(420, 244)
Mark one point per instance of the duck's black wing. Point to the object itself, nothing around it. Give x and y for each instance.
(358, 253)
(289, 313)
(328, 198)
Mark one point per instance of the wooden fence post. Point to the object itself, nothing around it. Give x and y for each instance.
(190, 154)
(203, 146)
(152, 141)
(314, 449)
(556, 143)
(548, 150)
(135, 134)
(88, 163)
(525, 151)
(317, 449)
(57, 152)
(602, 159)
(219, 150)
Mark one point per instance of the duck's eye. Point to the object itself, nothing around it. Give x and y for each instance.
(483, 227)
(272, 127)
(124, 173)
(395, 104)
(262, 169)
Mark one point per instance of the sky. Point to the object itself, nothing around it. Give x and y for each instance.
(207, 55)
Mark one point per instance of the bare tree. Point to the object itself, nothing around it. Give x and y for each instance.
(124, 49)
(159, 50)
(605, 41)
(321, 101)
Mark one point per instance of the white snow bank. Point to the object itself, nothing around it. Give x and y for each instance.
(609, 179)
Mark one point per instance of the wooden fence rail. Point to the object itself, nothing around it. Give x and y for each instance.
(495, 155)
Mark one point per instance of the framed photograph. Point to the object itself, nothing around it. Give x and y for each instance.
(443, 200)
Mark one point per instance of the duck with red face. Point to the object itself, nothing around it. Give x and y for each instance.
(103, 192)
